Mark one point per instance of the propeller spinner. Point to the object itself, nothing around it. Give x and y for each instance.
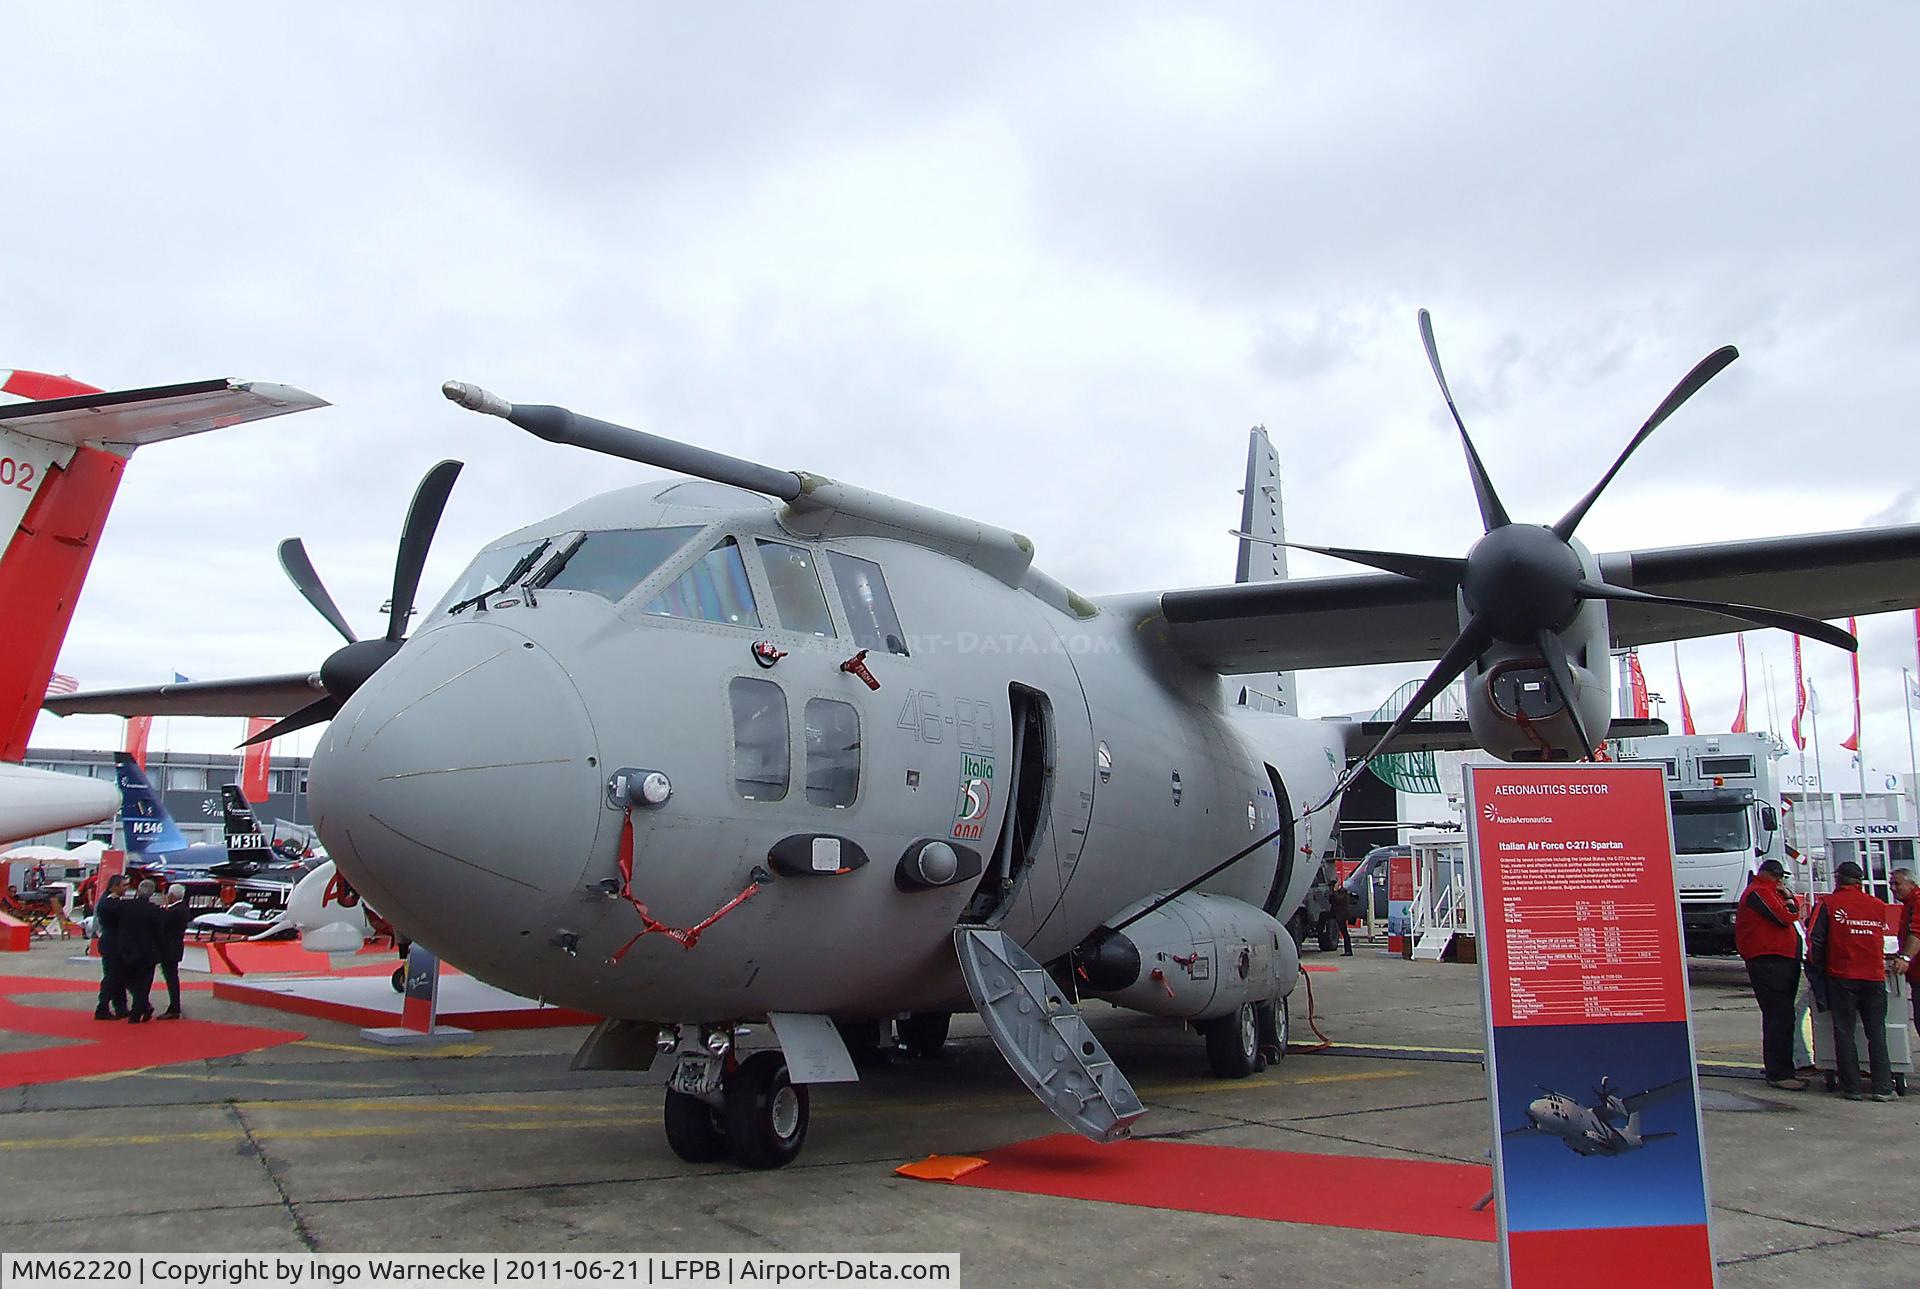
(1522, 586)
(350, 666)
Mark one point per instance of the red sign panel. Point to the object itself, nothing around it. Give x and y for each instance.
(1577, 873)
(1400, 877)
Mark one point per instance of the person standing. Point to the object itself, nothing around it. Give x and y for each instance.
(138, 943)
(1341, 911)
(173, 946)
(1847, 946)
(106, 928)
(1907, 893)
(1765, 933)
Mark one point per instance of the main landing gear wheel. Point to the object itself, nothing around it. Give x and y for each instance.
(1233, 1041)
(923, 1034)
(1274, 1027)
(1328, 934)
(766, 1112)
(695, 1130)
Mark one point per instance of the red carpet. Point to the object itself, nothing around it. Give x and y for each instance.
(106, 1047)
(1414, 1197)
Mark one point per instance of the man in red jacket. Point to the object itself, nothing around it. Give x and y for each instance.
(1763, 932)
(1848, 947)
(1908, 894)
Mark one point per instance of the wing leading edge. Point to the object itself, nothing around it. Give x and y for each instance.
(1382, 617)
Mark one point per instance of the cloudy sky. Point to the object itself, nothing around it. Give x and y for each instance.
(1041, 265)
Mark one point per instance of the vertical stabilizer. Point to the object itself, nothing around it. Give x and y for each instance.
(1260, 560)
(150, 829)
(244, 838)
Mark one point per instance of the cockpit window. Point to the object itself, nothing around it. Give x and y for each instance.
(863, 594)
(714, 590)
(484, 575)
(797, 596)
(610, 564)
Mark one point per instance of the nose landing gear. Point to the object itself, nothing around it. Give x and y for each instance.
(751, 1110)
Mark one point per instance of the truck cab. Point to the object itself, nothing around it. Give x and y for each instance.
(1726, 821)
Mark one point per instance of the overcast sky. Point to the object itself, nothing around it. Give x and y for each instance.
(1042, 265)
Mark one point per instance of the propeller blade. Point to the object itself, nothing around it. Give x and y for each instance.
(1824, 632)
(1473, 638)
(1554, 650)
(1703, 371)
(1492, 514)
(423, 517)
(1441, 570)
(299, 569)
(313, 713)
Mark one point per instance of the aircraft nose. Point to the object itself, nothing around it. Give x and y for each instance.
(459, 787)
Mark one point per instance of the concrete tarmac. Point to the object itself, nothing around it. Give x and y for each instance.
(334, 1144)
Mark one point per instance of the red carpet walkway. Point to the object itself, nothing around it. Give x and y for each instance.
(107, 1047)
(1411, 1196)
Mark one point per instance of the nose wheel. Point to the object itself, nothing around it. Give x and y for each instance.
(758, 1116)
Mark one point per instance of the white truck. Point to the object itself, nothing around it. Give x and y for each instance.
(1726, 822)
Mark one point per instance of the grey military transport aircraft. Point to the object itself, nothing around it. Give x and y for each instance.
(757, 745)
(1610, 1126)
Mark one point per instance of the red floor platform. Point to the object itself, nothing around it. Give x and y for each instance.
(369, 1001)
(95, 1047)
(1415, 1197)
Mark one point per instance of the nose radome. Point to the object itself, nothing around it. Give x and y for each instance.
(460, 783)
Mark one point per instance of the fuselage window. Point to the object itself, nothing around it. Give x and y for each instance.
(610, 564)
(797, 596)
(833, 753)
(863, 594)
(761, 759)
(714, 590)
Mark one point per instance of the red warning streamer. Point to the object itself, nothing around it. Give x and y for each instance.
(687, 937)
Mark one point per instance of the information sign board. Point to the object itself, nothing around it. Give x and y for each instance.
(1599, 1159)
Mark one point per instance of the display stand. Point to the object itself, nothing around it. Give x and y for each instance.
(419, 1014)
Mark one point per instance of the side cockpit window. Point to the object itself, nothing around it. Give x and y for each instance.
(795, 582)
(714, 590)
(833, 753)
(610, 564)
(863, 594)
(761, 759)
(488, 573)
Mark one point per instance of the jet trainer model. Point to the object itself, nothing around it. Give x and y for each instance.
(761, 745)
(1611, 1126)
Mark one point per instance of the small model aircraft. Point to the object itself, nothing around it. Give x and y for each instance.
(1610, 1126)
(243, 863)
(759, 745)
(63, 446)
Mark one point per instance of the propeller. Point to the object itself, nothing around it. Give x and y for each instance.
(354, 663)
(1523, 584)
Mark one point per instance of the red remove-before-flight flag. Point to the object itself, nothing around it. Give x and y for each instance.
(1740, 717)
(1852, 741)
(1799, 696)
(138, 727)
(253, 766)
(1686, 708)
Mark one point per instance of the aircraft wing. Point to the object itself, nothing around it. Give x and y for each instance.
(132, 417)
(260, 696)
(1382, 617)
(1641, 1100)
(1457, 736)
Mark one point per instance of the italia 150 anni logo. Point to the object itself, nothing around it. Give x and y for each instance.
(976, 796)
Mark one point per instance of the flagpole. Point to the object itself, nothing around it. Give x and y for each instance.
(1913, 768)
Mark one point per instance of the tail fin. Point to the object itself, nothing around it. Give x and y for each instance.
(245, 841)
(63, 446)
(1260, 560)
(150, 829)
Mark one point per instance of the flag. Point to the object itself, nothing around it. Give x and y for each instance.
(1637, 687)
(60, 683)
(1799, 697)
(1740, 717)
(253, 763)
(1913, 689)
(178, 679)
(1686, 709)
(1852, 741)
(138, 727)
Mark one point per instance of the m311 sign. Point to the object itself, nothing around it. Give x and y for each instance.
(1599, 1160)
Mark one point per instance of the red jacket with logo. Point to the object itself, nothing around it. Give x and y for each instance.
(1849, 935)
(1909, 924)
(1763, 924)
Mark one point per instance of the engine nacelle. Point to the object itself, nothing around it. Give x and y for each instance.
(1512, 706)
(1199, 957)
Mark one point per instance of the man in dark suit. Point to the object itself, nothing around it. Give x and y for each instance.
(138, 941)
(106, 926)
(173, 946)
